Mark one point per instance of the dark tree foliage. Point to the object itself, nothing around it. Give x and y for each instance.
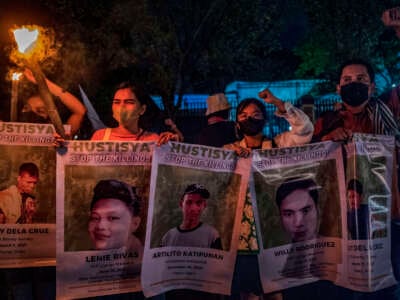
(170, 47)
(340, 30)
(173, 47)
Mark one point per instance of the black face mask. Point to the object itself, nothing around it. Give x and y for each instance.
(354, 93)
(251, 126)
(31, 117)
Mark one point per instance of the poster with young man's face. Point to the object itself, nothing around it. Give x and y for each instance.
(297, 195)
(196, 200)
(27, 195)
(370, 191)
(101, 217)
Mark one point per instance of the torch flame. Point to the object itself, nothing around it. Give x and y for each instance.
(16, 76)
(25, 38)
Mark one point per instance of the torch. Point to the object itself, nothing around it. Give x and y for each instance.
(27, 41)
(14, 96)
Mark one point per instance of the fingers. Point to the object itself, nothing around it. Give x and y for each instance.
(264, 94)
(58, 141)
(165, 137)
(242, 152)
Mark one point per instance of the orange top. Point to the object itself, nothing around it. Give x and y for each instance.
(108, 134)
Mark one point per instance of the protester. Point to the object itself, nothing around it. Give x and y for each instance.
(297, 200)
(11, 199)
(114, 216)
(251, 117)
(35, 110)
(134, 111)
(219, 130)
(192, 232)
(361, 113)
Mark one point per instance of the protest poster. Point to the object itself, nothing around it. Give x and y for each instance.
(102, 203)
(367, 244)
(297, 193)
(195, 206)
(27, 195)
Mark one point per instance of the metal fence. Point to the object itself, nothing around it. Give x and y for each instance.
(195, 111)
(190, 118)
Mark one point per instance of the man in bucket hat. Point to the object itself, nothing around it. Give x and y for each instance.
(219, 130)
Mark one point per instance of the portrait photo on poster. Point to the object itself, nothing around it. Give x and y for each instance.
(105, 210)
(27, 186)
(296, 205)
(200, 203)
(368, 197)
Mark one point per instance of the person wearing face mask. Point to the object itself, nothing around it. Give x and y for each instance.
(131, 109)
(135, 111)
(360, 112)
(251, 117)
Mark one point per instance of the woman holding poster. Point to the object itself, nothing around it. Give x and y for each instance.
(251, 118)
(135, 112)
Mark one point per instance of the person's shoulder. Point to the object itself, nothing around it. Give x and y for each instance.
(166, 238)
(149, 136)
(12, 189)
(98, 134)
(209, 228)
(328, 114)
(170, 231)
(232, 146)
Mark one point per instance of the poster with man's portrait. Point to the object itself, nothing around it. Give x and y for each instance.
(369, 186)
(101, 217)
(196, 198)
(298, 193)
(27, 195)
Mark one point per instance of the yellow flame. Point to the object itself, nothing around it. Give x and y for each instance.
(25, 38)
(16, 76)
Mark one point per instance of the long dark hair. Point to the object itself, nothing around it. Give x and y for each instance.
(152, 113)
(246, 102)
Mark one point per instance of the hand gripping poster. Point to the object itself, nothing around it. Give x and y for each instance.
(297, 195)
(27, 195)
(102, 203)
(369, 168)
(195, 206)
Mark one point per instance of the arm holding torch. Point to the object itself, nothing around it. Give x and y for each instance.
(46, 97)
(76, 108)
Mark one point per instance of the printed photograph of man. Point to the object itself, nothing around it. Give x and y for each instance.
(297, 200)
(12, 202)
(191, 231)
(357, 213)
(114, 216)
